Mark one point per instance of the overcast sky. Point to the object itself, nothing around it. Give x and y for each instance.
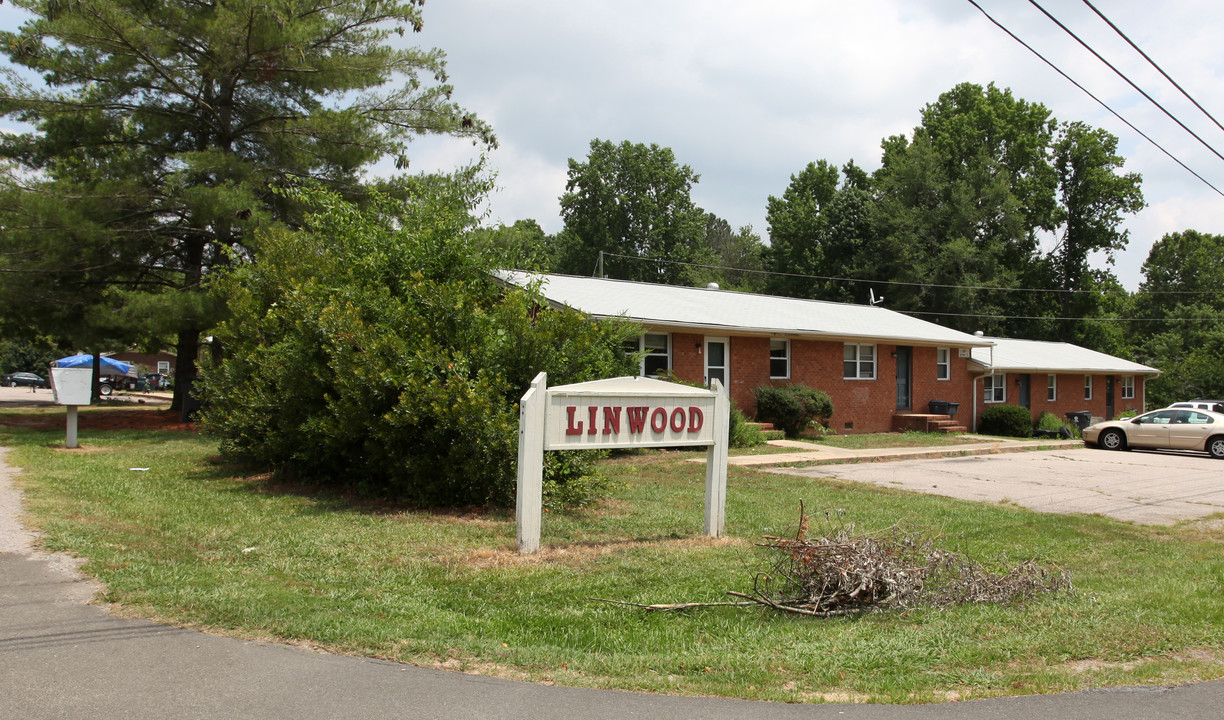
(748, 93)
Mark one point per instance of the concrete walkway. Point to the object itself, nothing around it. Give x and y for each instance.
(61, 657)
(813, 453)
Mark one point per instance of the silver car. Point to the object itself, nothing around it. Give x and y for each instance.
(1170, 429)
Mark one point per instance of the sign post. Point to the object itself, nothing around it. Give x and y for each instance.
(530, 493)
(627, 412)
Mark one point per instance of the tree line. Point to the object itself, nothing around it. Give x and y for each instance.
(991, 215)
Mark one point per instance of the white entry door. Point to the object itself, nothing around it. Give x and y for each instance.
(718, 360)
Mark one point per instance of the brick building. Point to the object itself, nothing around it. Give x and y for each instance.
(881, 368)
(1057, 377)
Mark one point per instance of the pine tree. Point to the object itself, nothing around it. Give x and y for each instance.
(162, 132)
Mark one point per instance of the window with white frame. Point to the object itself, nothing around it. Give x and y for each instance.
(1128, 387)
(163, 367)
(996, 388)
(943, 364)
(1087, 387)
(657, 353)
(1051, 387)
(858, 362)
(779, 358)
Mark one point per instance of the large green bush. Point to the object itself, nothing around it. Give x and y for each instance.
(792, 407)
(369, 350)
(1006, 420)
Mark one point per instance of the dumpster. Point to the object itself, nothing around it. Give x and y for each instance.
(1081, 419)
(943, 407)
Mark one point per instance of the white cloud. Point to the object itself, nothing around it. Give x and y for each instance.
(748, 93)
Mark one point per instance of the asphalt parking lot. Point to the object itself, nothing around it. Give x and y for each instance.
(1151, 487)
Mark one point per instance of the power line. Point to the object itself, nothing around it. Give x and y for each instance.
(1153, 63)
(1094, 97)
(995, 316)
(899, 283)
(1122, 75)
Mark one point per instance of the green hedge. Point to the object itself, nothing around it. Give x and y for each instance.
(1006, 420)
(792, 407)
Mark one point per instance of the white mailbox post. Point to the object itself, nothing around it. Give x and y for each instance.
(72, 387)
(626, 412)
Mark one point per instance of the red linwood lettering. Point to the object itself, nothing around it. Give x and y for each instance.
(637, 418)
(572, 429)
(678, 420)
(611, 420)
(658, 420)
(696, 419)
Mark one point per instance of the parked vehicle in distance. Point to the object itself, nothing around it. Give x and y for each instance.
(146, 382)
(1212, 405)
(1169, 429)
(24, 378)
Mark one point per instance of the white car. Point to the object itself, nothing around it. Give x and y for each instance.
(1170, 429)
(1212, 405)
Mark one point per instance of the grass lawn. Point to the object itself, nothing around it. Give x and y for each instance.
(196, 542)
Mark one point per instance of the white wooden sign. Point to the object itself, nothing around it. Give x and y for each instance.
(625, 412)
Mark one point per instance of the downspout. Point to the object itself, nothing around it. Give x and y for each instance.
(976, 395)
(975, 399)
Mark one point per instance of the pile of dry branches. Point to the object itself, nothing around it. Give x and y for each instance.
(845, 572)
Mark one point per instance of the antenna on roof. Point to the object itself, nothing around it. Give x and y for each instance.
(875, 300)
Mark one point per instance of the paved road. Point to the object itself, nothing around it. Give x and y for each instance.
(1154, 487)
(63, 658)
(26, 397)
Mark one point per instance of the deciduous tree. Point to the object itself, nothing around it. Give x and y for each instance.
(1184, 337)
(634, 200)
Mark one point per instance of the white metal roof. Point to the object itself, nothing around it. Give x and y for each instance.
(1012, 355)
(722, 311)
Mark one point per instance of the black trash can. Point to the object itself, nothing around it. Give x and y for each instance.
(1081, 419)
(943, 407)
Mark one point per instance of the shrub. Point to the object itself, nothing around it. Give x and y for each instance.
(792, 407)
(1050, 421)
(1006, 420)
(370, 351)
(743, 433)
(571, 480)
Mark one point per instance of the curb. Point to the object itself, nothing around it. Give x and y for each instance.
(838, 456)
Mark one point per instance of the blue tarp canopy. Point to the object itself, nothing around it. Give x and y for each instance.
(109, 367)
